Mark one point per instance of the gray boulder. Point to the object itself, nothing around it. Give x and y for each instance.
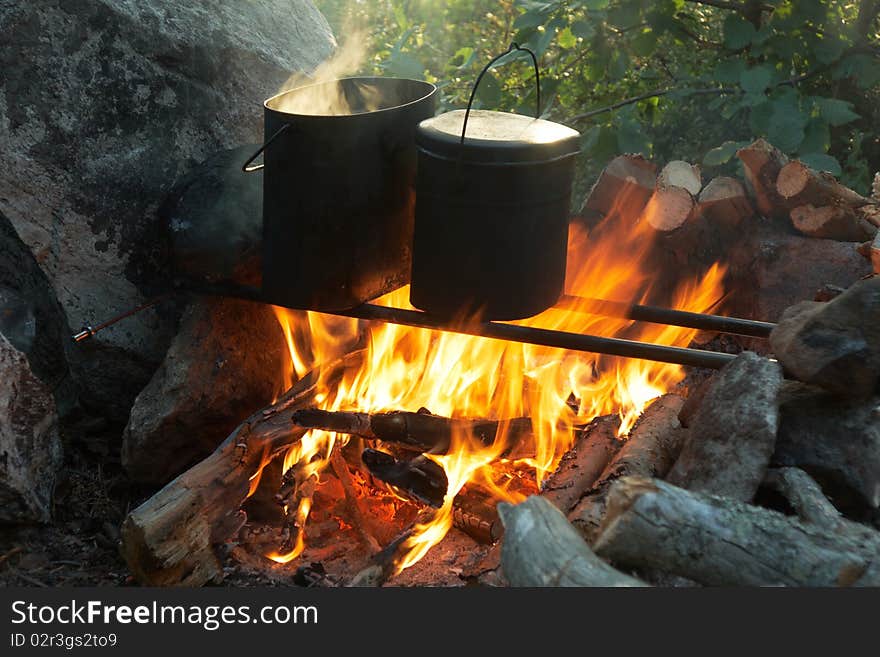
(224, 364)
(103, 105)
(836, 344)
(30, 449)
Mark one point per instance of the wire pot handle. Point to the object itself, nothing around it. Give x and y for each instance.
(248, 166)
(513, 46)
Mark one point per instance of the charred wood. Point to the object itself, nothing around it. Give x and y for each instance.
(422, 431)
(420, 478)
(541, 548)
(582, 465)
(721, 542)
(174, 537)
(650, 451)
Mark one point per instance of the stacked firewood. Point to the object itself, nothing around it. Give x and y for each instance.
(755, 480)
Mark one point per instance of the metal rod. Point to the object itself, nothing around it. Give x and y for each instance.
(545, 337)
(88, 331)
(657, 315)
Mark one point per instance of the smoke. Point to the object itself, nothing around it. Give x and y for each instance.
(319, 94)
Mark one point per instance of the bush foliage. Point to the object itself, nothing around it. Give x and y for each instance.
(689, 79)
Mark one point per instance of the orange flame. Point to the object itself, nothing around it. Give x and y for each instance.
(464, 376)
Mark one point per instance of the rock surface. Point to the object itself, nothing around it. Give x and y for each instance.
(30, 448)
(733, 434)
(30, 316)
(215, 217)
(224, 364)
(118, 98)
(836, 344)
(837, 441)
(773, 269)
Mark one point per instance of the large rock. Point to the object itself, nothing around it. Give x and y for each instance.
(836, 344)
(30, 316)
(224, 364)
(30, 449)
(733, 433)
(835, 440)
(773, 268)
(103, 105)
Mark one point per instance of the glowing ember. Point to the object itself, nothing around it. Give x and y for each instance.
(463, 376)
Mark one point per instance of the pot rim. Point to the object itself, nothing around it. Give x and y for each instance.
(429, 87)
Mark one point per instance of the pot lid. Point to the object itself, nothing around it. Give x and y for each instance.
(497, 137)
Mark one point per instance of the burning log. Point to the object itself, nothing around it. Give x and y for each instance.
(836, 440)
(581, 466)
(833, 222)
(425, 482)
(422, 431)
(732, 436)
(762, 163)
(724, 203)
(385, 562)
(650, 451)
(622, 189)
(173, 538)
(672, 202)
(721, 542)
(541, 548)
(420, 478)
(360, 519)
(804, 496)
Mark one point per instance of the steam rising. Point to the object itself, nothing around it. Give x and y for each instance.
(321, 94)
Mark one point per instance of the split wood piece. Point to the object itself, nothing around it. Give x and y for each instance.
(358, 515)
(725, 204)
(804, 495)
(733, 433)
(762, 163)
(581, 466)
(650, 451)
(296, 515)
(871, 250)
(721, 542)
(477, 518)
(832, 222)
(422, 431)
(672, 202)
(870, 213)
(798, 184)
(541, 548)
(621, 191)
(383, 565)
(173, 538)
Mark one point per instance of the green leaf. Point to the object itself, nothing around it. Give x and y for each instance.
(644, 43)
(489, 91)
(631, 138)
(828, 49)
(738, 32)
(822, 162)
(530, 19)
(583, 29)
(729, 70)
(402, 65)
(759, 118)
(566, 39)
(785, 129)
(864, 69)
(836, 112)
(624, 16)
(400, 17)
(756, 80)
(594, 5)
(721, 154)
(817, 137)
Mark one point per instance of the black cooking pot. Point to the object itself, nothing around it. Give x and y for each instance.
(492, 208)
(338, 190)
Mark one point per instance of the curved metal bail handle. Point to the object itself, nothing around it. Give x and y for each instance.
(513, 46)
(247, 167)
